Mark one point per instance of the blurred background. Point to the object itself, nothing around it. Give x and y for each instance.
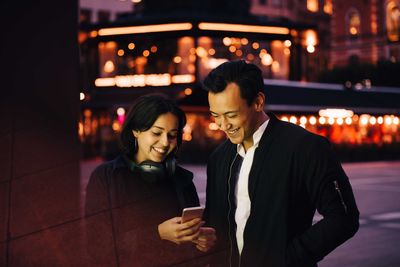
(330, 66)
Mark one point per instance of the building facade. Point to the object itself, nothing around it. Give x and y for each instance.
(367, 31)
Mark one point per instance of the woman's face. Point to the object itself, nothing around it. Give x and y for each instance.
(158, 141)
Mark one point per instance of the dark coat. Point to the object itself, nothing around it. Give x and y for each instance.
(294, 173)
(130, 209)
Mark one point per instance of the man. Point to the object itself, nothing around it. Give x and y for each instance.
(266, 181)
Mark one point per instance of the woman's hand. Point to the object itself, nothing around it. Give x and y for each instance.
(177, 232)
(206, 239)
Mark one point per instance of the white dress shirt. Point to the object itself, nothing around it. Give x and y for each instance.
(243, 204)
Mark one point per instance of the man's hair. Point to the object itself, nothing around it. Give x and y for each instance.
(246, 75)
(142, 115)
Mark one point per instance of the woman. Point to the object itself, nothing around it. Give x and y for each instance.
(144, 190)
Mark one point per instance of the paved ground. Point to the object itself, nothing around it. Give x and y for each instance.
(376, 187)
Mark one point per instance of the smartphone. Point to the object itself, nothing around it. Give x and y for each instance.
(192, 213)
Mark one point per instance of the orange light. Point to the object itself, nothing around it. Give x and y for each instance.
(313, 120)
(239, 53)
(322, 120)
(131, 46)
(339, 121)
(287, 43)
(303, 120)
(213, 126)
(284, 118)
(380, 120)
(242, 28)
(177, 59)
(244, 41)
(121, 52)
(396, 121)
(211, 51)
(331, 121)
(372, 120)
(146, 53)
(348, 121)
(183, 78)
(153, 49)
(232, 49)
(188, 91)
(145, 29)
(293, 119)
(227, 41)
(255, 45)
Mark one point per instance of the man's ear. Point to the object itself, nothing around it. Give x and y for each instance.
(259, 102)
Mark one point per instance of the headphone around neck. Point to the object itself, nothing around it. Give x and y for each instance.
(153, 171)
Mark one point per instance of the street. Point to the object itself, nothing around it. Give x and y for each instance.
(376, 187)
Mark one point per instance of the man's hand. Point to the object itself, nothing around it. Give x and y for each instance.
(177, 232)
(206, 239)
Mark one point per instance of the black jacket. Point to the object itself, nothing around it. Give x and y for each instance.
(128, 209)
(294, 172)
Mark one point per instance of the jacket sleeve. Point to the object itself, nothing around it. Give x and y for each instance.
(329, 190)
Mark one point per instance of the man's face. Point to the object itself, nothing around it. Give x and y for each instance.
(233, 115)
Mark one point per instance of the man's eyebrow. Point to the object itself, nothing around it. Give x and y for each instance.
(226, 113)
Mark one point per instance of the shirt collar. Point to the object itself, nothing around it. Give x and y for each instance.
(256, 138)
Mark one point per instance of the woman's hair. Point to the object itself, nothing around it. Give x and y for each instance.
(142, 115)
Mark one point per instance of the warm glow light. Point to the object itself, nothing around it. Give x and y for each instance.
(380, 120)
(353, 30)
(93, 34)
(192, 58)
(232, 49)
(310, 48)
(131, 46)
(212, 63)
(275, 67)
(116, 126)
(153, 49)
(287, 43)
(136, 1)
(255, 45)
(286, 51)
(244, 41)
(336, 113)
(313, 120)
(188, 91)
(177, 59)
(250, 57)
(303, 120)
(109, 66)
(146, 53)
(227, 41)
(120, 111)
(81, 96)
(322, 120)
(388, 120)
(284, 118)
(242, 28)
(121, 52)
(293, 119)
(339, 121)
(145, 29)
(364, 119)
(213, 126)
(348, 121)
(211, 51)
(266, 60)
(312, 5)
(372, 120)
(201, 52)
(396, 121)
(239, 53)
(183, 78)
(104, 82)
